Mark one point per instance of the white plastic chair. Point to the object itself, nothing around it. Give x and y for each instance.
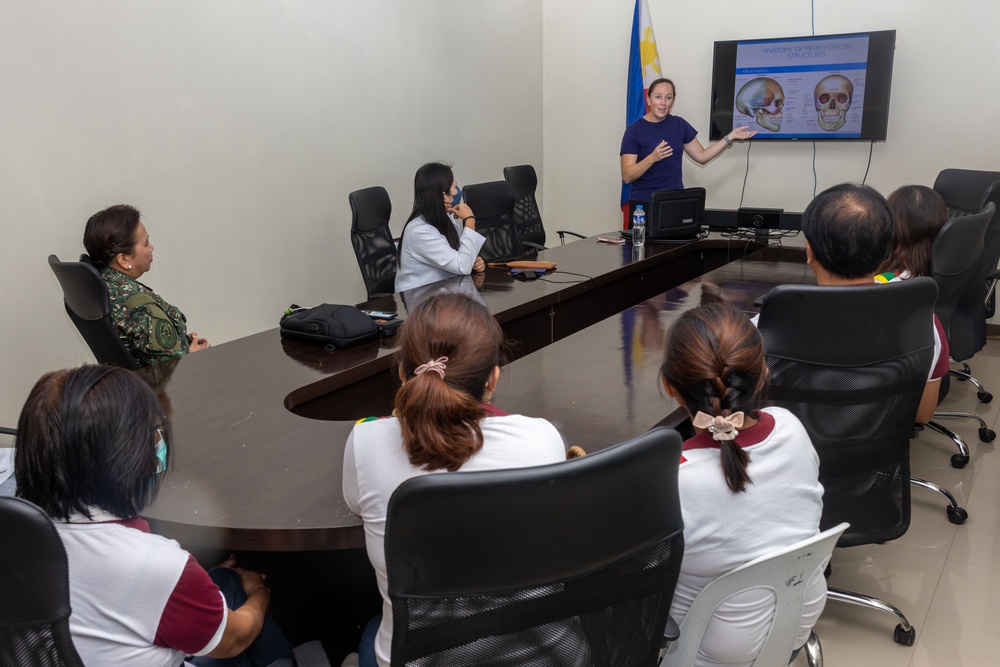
(784, 572)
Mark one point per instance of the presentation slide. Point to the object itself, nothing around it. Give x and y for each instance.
(808, 88)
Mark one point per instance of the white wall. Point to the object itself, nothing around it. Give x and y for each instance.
(238, 127)
(943, 92)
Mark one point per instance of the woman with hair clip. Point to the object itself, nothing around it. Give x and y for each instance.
(749, 478)
(440, 238)
(449, 363)
(93, 444)
(918, 214)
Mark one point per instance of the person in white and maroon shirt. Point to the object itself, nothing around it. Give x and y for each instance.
(748, 481)
(449, 363)
(92, 444)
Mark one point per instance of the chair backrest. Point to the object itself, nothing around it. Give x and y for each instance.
(784, 572)
(493, 204)
(573, 559)
(373, 244)
(851, 363)
(85, 295)
(966, 191)
(958, 269)
(523, 181)
(34, 590)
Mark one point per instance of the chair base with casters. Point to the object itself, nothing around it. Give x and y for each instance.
(965, 374)
(956, 514)
(904, 633)
(785, 573)
(961, 459)
(986, 434)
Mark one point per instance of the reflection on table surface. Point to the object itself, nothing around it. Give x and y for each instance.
(601, 386)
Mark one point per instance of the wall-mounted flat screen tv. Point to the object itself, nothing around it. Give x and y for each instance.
(822, 87)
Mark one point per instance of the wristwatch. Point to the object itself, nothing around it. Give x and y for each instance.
(726, 138)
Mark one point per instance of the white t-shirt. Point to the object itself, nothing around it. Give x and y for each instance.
(375, 464)
(137, 598)
(723, 530)
(426, 257)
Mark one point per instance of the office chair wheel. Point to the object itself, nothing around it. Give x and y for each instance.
(957, 515)
(959, 460)
(987, 434)
(903, 637)
(984, 396)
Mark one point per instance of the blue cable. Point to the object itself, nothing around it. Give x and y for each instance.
(812, 18)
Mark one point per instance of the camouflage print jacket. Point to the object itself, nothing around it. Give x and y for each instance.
(151, 328)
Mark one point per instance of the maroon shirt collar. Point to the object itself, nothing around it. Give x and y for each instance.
(748, 437)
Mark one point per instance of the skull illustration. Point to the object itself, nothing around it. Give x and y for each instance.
(833, 95)
(763, 99)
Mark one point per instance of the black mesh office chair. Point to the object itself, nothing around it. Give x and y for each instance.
(957, 267)
(567, 564)
(85, 295)
(967, 192)
(34, 590)
(493, 204)
(523, 181)
(373, 243)
(855, 382)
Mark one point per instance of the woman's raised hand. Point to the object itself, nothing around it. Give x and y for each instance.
(465, 214)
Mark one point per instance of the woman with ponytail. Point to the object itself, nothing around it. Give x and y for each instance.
(449, 364)
(749, 478)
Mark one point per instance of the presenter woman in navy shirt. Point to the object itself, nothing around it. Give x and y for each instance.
(650, 153)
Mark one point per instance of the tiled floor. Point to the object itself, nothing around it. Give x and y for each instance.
(945, 578)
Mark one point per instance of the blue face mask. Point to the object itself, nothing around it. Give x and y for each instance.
(456, 200)
(161, 455)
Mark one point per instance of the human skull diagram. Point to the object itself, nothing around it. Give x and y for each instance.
(833, 96)
(763, 99)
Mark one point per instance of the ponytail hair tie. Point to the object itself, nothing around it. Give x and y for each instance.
(721, 428)
(436, 365)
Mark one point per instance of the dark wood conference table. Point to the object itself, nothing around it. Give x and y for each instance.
(259, 424)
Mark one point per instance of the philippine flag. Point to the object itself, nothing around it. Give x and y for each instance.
(643, 69)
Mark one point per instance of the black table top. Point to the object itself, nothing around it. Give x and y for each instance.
(259, 423)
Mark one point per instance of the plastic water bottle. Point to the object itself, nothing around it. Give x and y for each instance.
(639, 227)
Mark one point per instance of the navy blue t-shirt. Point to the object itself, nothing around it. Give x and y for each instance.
(641, 137)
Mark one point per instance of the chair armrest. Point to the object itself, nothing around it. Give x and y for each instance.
(533, 246)
(563, 232)
(672, 632)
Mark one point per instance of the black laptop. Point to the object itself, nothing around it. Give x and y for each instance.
(674, 215)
